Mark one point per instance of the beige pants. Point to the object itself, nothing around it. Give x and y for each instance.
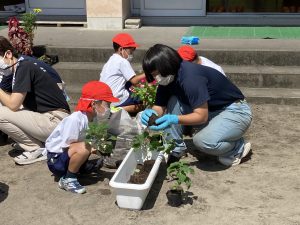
(29, 129)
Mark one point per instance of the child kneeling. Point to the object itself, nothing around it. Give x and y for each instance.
(66, 148)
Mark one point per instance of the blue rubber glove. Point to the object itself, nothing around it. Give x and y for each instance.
(165, 121)
(146, 114)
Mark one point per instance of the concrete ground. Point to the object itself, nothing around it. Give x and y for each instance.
(262, 190)
(147, 36)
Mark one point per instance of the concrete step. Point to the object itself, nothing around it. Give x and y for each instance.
(227, 57)
(78, 72)
(280, 96)
(82, 72)
(242, 76)
(264, 76)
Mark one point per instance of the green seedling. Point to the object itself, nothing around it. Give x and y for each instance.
(153, 142)
(179, 172)
(98, 137)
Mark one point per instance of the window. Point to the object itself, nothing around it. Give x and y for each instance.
(253, 6)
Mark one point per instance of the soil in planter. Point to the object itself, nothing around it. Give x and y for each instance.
(141, 176)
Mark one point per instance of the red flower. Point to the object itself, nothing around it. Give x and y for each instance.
(18, 37)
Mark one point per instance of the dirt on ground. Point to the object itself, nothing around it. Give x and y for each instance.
(265, 189)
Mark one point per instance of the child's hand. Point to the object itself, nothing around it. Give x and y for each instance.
(93, 151)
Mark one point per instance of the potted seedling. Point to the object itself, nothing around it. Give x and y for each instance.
(21, 35)
(98, 138)
(145, 91)
(178, 171)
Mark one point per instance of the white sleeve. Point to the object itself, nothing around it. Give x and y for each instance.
(222, 71)
(71, 132)
(70, 129)
(126, 70)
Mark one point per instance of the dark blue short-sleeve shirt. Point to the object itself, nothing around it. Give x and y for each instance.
(196, 84)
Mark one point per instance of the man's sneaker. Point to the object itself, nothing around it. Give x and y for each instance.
(71, 184)
(234, 160)
(30, 157)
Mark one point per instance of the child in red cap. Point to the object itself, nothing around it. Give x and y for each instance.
(119, 75)
(66, 149)
(188, 53)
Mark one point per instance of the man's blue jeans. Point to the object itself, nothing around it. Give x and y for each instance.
(222, 135)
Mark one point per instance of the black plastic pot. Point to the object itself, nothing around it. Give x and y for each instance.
(174, 197)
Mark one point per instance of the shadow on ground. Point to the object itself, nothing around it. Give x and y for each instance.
(3, 191)
(209, 163)
(93, 176)
(14, 152)
(156, 187)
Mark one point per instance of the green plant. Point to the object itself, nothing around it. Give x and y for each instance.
(29, 22)
(153, 142)
(98, 137)
(179, 171)
(21, 37)
(145, 91)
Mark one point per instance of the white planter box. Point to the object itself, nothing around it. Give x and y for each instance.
(132, 196)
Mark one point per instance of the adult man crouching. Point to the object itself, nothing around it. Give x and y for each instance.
(34, 108)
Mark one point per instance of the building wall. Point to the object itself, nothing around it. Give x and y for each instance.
(107, 14)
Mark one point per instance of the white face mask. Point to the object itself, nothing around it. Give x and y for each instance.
(102, 116)
(129, 56)
(3, 65)
(164, 81)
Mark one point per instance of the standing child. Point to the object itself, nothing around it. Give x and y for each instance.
(119, 75)
(66, 148)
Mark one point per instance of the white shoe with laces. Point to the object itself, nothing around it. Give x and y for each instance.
(31, 157)
(235, 160)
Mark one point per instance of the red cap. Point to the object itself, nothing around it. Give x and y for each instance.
(125, 40)
(187, 53)
(93, 91)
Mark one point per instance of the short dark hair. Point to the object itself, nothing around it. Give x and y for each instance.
(162, 58)
(5, 45)
(116, 46)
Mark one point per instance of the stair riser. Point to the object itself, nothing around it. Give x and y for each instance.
(79, 77)
(271, 58)
(266, 58)
(265, 80)
(252, 100)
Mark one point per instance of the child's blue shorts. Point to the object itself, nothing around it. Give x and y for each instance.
(130, 100)
(58, 163)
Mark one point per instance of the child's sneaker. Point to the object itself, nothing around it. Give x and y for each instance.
(71, 184)
(234, 160)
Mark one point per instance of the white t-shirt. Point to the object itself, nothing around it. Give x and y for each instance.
(70, 129)
(209, 63)
(115, 73)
